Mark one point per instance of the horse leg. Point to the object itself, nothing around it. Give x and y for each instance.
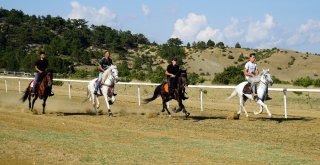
(260, 110)
(265, 107)
(164, 107)
(94, 102)
(242, 107)
(181, 106)
(107, 102)
(29, 99)
(33, 101)
(44, 105)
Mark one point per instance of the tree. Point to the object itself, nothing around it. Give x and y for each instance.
(237, 45)
(220, 45)
(210, 43)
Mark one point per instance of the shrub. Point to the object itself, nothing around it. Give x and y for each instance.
(230, 75)
(316, 82)
(193, 78)
(57, 83)
(305, 81)
(230, 57)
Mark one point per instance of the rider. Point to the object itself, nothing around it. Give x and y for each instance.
(172, 70)
(104, 63)
(251, 71)
(40, 66)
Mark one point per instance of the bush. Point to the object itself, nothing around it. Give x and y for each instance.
(230, 75)
(305, 81)
(316, 83)
(57, 83)
(193, 78)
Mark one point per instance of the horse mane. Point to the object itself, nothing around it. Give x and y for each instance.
(106, 73)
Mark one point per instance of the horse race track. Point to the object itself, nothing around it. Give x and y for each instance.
(68, 134)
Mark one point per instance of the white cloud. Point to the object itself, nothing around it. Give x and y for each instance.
(260, 31)
(102, 16)
(209, 33)
(308, 33)
(233, 30)
(146, 10)
(187, 28)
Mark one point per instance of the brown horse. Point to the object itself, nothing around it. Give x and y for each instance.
(182, 83)
(43, 91)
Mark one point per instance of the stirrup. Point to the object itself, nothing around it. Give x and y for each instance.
(268, 98)
(95, 92)
(51, 94)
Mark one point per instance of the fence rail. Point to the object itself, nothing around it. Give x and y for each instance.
(138, 84)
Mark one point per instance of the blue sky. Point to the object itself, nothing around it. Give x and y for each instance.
(287, 24)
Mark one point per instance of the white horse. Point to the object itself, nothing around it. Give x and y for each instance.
(109, 79)
(262, 86)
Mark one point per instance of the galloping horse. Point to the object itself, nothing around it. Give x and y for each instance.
(242, 91)
(109, 79)
(162, 89)
(43, 91)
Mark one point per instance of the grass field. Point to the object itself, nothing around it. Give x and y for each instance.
(69, 134)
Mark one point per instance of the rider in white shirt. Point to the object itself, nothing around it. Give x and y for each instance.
(251, 71)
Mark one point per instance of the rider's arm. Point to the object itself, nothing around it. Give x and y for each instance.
(37, 69)
(100, 68)
(247, 73)
(257, 71)
(169, 74)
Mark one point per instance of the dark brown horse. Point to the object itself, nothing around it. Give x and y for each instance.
(43, 91)
(181, 84)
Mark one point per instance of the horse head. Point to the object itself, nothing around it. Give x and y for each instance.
(182, 78)
(111, 74)
(266, 77)
(114, 73)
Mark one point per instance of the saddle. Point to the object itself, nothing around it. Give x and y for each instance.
(166, 87)
(247, 89)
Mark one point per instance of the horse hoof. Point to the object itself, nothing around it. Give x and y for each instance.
(187, 114)
(110, 114)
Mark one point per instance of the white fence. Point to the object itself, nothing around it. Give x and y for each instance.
(138, 84)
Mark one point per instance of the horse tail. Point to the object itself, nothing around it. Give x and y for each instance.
(234, 93)
(25, 95)
(155, 94)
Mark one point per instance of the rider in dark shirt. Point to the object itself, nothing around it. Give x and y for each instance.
(172, 70)
(104, 64)
(40, 66)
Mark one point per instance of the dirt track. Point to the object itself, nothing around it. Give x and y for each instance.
(68, 134)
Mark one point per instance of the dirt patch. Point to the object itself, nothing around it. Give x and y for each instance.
(70, 134)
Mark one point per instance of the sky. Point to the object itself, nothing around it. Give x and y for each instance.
(262, 24)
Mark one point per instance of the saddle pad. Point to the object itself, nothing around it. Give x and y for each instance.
(247, 89)
(166, 87)
(32, 84)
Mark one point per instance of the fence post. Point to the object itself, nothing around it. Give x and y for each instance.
(139, 95)
(285, 102)
(201, 99)
(19, 87)
(6, 85)
(69, 86)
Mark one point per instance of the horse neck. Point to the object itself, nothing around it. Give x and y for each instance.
(105, 74)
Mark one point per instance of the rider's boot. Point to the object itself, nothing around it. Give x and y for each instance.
(171, 93)
(97, 88)
(268, 98)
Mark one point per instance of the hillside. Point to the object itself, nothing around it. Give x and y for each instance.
(286, 65)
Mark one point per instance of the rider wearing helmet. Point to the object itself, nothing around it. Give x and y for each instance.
(172, 70)
(40, 66)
